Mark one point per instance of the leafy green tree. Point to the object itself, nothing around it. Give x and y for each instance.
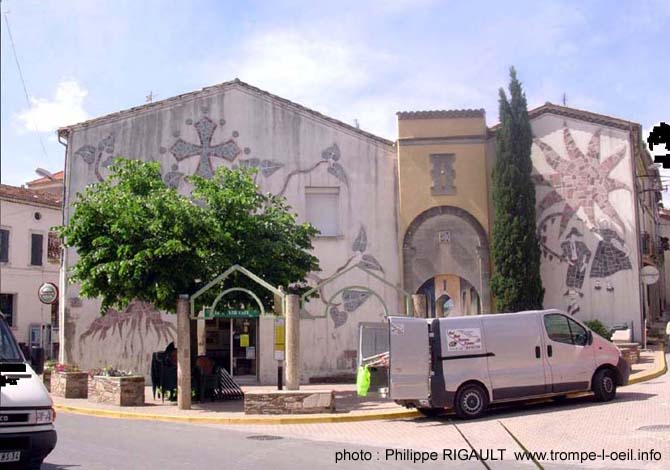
(136, 238)
(516, 283)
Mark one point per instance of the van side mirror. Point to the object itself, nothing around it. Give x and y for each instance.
(590, 338)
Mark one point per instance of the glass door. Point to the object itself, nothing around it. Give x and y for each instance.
(244, 348)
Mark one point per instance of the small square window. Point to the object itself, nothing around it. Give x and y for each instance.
(323, 210)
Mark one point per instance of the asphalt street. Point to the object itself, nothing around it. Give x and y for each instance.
(99, 443)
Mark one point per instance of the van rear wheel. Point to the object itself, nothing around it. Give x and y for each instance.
(471, 401)
(604, 385)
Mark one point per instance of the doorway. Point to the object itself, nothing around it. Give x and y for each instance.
(231, 343)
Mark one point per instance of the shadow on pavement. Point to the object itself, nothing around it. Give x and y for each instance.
(526, 409)
(54, 466)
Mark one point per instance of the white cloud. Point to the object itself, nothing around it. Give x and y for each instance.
(46, 115)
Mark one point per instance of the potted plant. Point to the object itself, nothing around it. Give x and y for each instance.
(67, 381)
(116, 387)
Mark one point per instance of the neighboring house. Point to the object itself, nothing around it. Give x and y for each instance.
(52, 184)
(29, 256)
(416, 212)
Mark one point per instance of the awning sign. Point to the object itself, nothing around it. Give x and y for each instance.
(230, 313)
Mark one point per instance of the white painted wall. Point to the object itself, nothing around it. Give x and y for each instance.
(17, 276)
(271, 130)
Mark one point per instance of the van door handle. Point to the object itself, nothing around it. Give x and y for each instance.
(549, 350)
(537, 352)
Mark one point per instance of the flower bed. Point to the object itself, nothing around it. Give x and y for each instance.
(68, 382)
(116, 388)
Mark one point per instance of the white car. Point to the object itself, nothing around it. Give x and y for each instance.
(27, 433)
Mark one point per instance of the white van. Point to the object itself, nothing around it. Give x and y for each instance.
(468, 362)
(27, 433)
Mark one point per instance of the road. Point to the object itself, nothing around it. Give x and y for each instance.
(637, 421)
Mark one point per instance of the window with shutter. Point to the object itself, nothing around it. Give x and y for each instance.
(36, 249)
(4, 245)
(323, 210)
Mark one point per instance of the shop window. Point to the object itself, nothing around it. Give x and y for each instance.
(36, 249)
(7, 302)
(4, 245)
(323, 210)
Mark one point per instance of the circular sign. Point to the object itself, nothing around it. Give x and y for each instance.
(48, 293)
(649, 275)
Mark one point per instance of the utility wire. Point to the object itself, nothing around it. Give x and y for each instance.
(23, 82)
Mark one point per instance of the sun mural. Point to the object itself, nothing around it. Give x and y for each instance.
(580, 180)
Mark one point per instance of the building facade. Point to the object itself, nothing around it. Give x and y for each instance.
(29, 257)
(408, 217)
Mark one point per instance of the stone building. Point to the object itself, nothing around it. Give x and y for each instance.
(416, 214)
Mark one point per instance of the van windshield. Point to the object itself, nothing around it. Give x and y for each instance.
(9, 351)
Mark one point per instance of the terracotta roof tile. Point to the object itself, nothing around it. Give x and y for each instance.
(16, 194)
(441, 114)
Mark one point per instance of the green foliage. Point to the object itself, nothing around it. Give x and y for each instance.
(516, 283)
(597, 327)
(136, 238)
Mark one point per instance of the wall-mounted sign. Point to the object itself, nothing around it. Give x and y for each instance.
(229, 313)
(48, 293)
(649, 275)
(280, 339)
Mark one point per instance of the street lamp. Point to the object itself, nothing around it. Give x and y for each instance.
(45, 174)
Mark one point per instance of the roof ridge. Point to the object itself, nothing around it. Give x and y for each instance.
(442, 113)
(223, 85)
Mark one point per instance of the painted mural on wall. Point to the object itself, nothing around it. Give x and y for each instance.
(351, 298)
(581, 182)
(139, 328)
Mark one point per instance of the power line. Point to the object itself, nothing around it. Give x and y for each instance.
(23, 82)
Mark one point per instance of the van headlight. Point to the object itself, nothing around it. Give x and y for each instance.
(43, 416)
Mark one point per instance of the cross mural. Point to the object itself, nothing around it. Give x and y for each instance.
(205, 128)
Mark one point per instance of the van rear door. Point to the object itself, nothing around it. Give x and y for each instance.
(409, 358)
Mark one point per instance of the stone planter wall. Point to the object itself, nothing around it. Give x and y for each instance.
(46, 379)
(120, 391)
(289, 402)
(69, 384)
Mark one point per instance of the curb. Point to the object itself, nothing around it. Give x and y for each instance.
(653, 373)
(240, 420)
(342, 418)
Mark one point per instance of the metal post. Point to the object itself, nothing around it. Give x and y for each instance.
(292, 342)
(420, 305)
(183, 354)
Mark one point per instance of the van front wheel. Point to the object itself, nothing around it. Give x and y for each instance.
(604, 385)
(471, 401)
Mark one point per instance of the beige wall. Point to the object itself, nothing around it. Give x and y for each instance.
(17, 276)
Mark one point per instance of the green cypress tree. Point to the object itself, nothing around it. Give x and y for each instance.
(516, 283)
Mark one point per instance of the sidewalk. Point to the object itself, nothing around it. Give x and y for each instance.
(349, 406)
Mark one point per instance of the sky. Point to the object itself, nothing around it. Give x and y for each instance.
(353, 60)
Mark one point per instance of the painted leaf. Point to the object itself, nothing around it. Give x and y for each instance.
(338, 172)
(353, 299)
(361, 242)
(339, 318)
(268, 167)
(331, 153)
(173, 178)
(108, 161)
(87, 153)
(249, 163)
(370, 262)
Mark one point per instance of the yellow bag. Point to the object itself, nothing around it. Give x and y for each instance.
(363, 381)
